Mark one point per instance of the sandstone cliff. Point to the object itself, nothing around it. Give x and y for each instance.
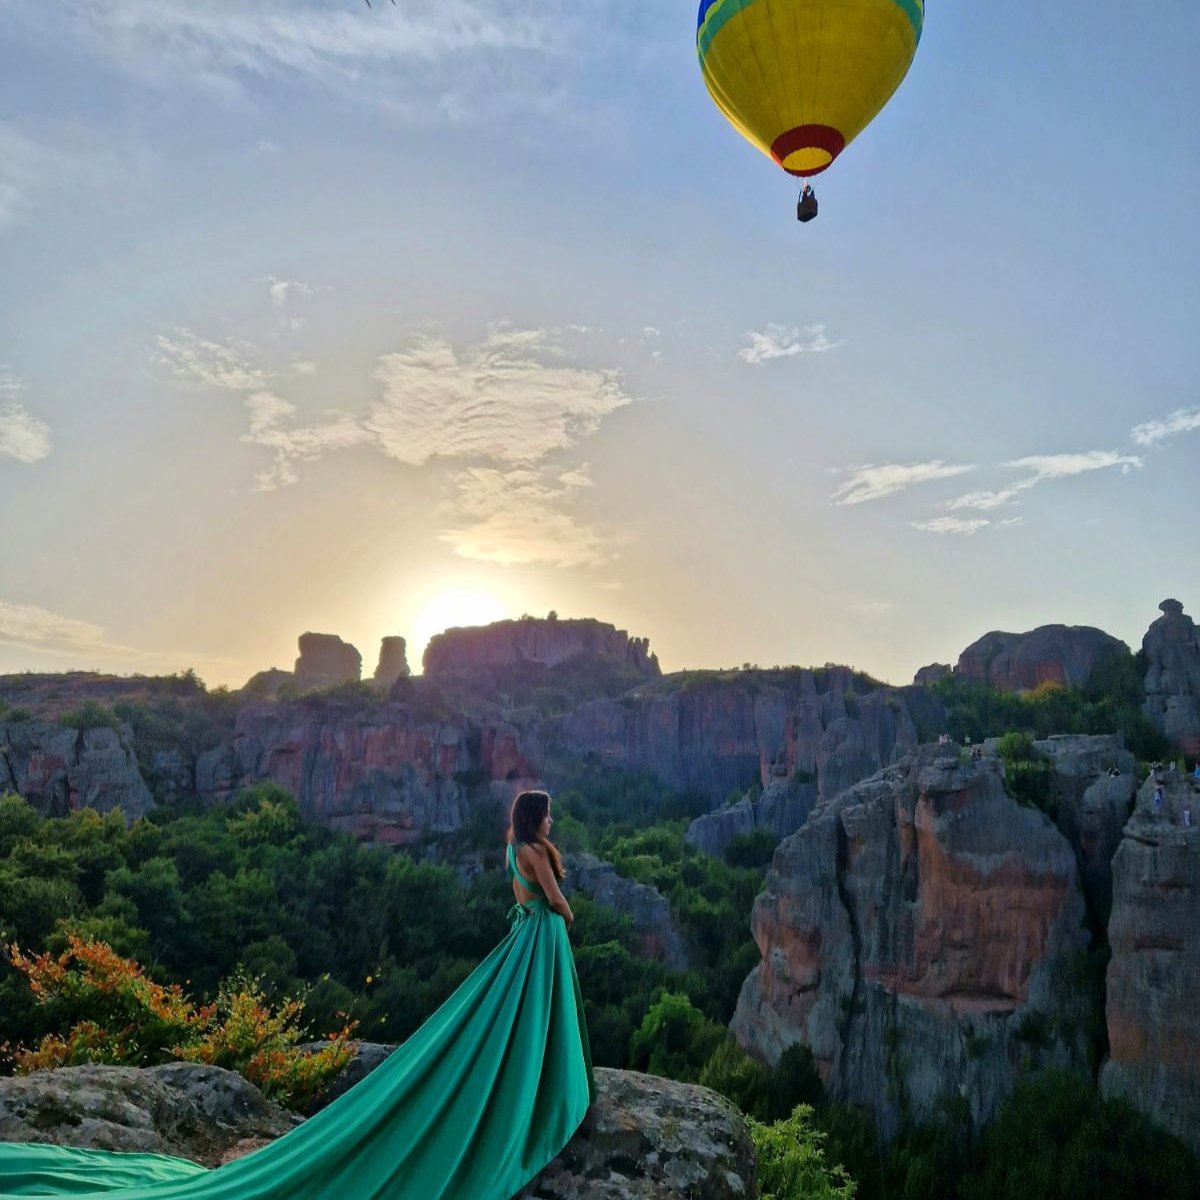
(713, 733)
(1172, 651)
(549, 643)
(1016, 662)
(644, 1138)
(58, 769)
(1154, 974)
(779, 811)
(918, 934)
(393, 661)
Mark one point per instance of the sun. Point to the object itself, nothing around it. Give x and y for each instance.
(448, 610)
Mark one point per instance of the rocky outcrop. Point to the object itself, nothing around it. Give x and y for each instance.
(393, 661)
(326, 661)
(648, 913)
(268, 683)
(779, 810)
(57, 769)
(1091, 805)
(715, 733)
(181, 1109)
(1154, 973)
(934, 673)
(918, 934)
(647, 1138)
(643, 1138)
(549, 643)
(1017, 662)
(1172, 652)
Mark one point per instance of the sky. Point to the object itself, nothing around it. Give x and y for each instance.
(373, 320)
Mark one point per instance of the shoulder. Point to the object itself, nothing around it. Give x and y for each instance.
(535, 850)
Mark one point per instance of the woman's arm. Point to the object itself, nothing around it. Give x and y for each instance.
(549, 881)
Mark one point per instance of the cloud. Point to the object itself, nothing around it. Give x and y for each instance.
(280, 290)
(1063, 466)
(511, 399)
(22, 435)
(953, 525)
(29, 627)
(780, 341)
(209, 364)
(1044, 467)
(294, 444)
(522, 516)
(1182, 420)
(426, 59)
(875, 482)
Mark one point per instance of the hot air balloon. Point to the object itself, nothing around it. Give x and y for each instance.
(801, 79)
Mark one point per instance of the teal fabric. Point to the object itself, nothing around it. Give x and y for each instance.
(471, 1107)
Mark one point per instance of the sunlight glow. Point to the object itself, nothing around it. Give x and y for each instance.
(449, 610)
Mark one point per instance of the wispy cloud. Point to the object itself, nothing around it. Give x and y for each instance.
(512, 399)
(1043, 467)
(1182, 420)
(875, 482)
(953, 525)
(225, 365)
(22, 435)
(781, 341)
(523, 516)
(85, 644)
(270, 418)
(426, 59)
(282, 290)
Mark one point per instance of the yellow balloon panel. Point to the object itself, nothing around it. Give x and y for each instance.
(800, 79)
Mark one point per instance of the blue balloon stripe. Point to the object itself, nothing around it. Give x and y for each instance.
(710, 23)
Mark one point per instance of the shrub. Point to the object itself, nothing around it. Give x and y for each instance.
(792, 1163)
(89, 715)
(114, 1013)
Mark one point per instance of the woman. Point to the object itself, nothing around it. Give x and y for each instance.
(471, 1107)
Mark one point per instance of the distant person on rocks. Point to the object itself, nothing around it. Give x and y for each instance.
(1187, 818)
(1172, 766)
(1196, 772)
(1158, 799)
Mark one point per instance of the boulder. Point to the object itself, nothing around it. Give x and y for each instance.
(1154, 973)
(326, 661)
(934, 673)
(918, 934)
(182, 1109)
(647, 1138)
(268, 683)
(644, 1138)
(1172, 651)
(1017, 662)
(393, 661)
(648, 912)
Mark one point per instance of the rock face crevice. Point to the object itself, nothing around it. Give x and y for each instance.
(1154, 974)
(917, 934)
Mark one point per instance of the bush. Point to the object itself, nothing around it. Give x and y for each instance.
(89, 715)
(114, 1013)
(792, 1163)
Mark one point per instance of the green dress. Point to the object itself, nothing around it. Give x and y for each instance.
(471, 1107)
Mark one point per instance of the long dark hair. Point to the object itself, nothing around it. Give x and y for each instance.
(529, 810)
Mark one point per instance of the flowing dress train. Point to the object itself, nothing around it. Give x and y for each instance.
(471, 1107)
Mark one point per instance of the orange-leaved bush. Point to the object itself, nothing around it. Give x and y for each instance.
(113, 1012)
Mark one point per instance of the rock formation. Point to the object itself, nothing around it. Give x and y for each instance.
(644, 1138)
(647, 1138)
(713, 733)
(649, 914)
(325, 661)
(549, 643)
(268, 683)
(780, 810)
(1154, 974)
(934, 673)
(393, 661)
(917, 934)
(182, 1109)
(1172, 651)
(1017, 662)
(57, 769)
